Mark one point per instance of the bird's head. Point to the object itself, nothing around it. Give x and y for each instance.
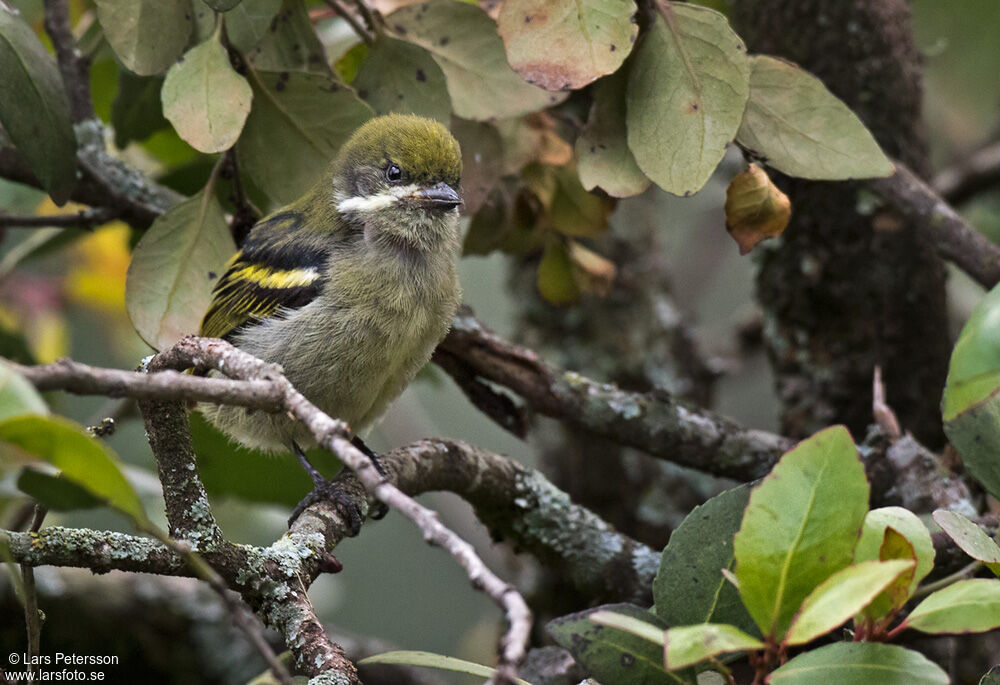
(397, 178)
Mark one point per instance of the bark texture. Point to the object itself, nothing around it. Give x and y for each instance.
(849, 289)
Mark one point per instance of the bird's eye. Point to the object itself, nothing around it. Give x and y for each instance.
(393, 173)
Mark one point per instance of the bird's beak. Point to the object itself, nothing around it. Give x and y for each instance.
(439, 196)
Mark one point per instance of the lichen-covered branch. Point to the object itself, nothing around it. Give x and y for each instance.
(73, 67)
(654, 422)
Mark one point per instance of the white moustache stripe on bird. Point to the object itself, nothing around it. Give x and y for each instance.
(372, 203)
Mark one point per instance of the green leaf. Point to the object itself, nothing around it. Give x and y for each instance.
(640, 627)
(690, 645)
(991, 678)
(34, 109)
(971, 406)
(13, 345)
(800, 527)
(612, 656)
(687, 88)
(431, 660)
(574, 211)
(289, 43)
(604, 159)
(146, 35)
(248, 23)
(82, 459)
(689, 586)
(298, 123)
(174, 267)
(555, 275)
(802, 129)
(894, 596)
(566, 44)
(400, 77)
(970, 538)
(967, 606)
(17, 395)
(56, 493)
(230, 470)
(464, 42)
(909, 526)
(137, 112)
(842, 595)
(854, 663)
(222, 5)
(205, 99)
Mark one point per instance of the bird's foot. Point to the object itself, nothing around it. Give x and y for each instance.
(378, 509)
(333, 492)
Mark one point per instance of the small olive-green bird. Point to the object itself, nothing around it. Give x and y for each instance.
(349, 288)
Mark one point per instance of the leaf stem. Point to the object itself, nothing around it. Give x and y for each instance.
(928, 588)
(346, 15)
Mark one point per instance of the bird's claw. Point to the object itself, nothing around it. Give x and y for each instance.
(332, 492)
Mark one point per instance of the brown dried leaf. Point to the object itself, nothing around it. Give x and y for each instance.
(755, 209)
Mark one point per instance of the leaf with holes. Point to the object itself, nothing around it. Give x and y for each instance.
(802, 129)
(566, 44)
(688, 85)
(400, 77)
(34, 110)
(169, 283)
(464, 42)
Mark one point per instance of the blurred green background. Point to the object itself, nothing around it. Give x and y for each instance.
(395, 587)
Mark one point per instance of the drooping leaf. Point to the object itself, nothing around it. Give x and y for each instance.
(298, 123)
(205, 99)
(34, 109)
(464, 42)
(174, 268)
(967, 606)
(612, 656)
(852, 663)
(970, 538)
(55, 492)
(574, 211)
(400, 77)
(17, 395)
(289, 42)
(689, 586)
(842, 595)
(555, 275)
(230, 470)
(688, 85)
(594, 275)
(689, 645)
(800, 527)
(137, 111)
(802, 129)
(756, 209)
(249, 21)
(431, 660)
(894, 546)
(909, 526)
(533, 138)
(482, 160)
(604, 159)
(566, 44)
(971, 403)
(81, 458)
(146, 35)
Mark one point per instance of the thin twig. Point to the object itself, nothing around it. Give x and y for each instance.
(32, 616)
(976, 173)
(884, 415)
(86, 219)
(366, 14)
(73, 67)
(346, 15)
(951, 579)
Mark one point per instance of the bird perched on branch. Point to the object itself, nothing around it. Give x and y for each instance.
(349, 288)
